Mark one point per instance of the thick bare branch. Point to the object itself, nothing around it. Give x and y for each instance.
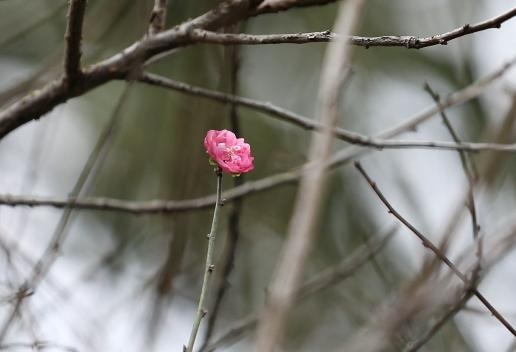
(73, 38)
(41, 101)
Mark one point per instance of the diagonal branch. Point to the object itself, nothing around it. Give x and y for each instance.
(294, 253)
(409, 42)
(326, 278)
(468, 167)
(449, 313)
(312, 125)
(73, 38)
(428, 244)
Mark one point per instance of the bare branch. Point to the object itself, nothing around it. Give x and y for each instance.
(468, 167)
(295, 250)
(41, 101)
(340, 133)
(158, 17)
(409, 42)
(73, 38)
(428, 244)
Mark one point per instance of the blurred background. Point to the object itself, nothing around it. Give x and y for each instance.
(126, 282)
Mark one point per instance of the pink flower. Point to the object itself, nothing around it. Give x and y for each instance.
(231, 154)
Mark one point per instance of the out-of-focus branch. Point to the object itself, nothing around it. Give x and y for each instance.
(428, 244)
(158, 17)
(273, 6)
(326, 278)
(73, 38)
(502, 246)
(414, 302)
(449, 313)
(43, 265)
(295, 250)
(37, 346)
(410, 42)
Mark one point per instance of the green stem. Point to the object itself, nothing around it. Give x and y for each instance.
(201, 311)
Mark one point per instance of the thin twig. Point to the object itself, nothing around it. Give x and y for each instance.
(209, 267)
(158, 17)
(328, 277)
(467, 164)
(293, 255)
(409, 42)
(428, 244)
(73, 38)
